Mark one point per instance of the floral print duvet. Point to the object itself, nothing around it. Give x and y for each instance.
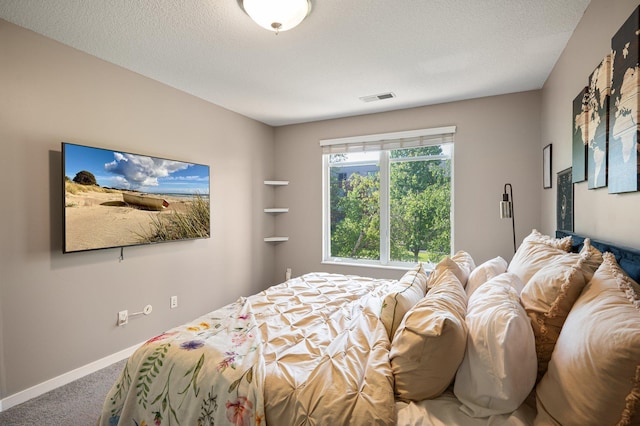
(311, 350)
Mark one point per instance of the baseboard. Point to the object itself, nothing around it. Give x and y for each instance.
(49, 385)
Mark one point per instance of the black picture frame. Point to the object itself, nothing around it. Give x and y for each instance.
(564, 203)
(546, 167)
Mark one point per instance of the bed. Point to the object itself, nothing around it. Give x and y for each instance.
(552, 338)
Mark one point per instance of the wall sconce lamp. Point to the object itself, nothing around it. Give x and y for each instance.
(276, 15)
(506, 210)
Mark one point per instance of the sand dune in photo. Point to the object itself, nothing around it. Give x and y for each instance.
(102, 219)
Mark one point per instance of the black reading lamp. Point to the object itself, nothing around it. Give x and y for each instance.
(506, 210)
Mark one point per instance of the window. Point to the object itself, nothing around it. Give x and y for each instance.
(387, 198)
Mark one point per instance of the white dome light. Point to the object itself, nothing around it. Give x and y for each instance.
(277, 15)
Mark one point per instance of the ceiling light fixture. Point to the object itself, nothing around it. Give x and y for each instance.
(277, 15)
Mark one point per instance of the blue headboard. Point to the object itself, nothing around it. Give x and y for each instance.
(628, 259)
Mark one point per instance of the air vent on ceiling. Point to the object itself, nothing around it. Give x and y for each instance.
(379, 97)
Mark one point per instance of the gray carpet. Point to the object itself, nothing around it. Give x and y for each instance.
(78, 403)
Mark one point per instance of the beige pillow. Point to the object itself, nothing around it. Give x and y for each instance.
(536, 251)
(483, 273)
(461, 264)
(499, 367)
(552, 291)
(594, 372)
(465, 263)
(429, 344)
(402, 296)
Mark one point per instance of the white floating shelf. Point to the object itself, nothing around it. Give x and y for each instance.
(276, 239)
(276, 210)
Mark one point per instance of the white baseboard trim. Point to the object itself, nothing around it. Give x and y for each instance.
(56, 382)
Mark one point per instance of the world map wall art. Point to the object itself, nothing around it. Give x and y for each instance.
(605, 117)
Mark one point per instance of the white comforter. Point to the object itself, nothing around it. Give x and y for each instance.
(308, 351)
(326, 352)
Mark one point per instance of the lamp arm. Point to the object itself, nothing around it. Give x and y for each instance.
(513, 213)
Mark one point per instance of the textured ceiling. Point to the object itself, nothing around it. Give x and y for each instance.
(424, 51)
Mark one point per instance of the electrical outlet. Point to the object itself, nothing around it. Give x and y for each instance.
(123, 317)
(174, 302)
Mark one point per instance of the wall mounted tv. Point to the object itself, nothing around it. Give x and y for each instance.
(117, 199)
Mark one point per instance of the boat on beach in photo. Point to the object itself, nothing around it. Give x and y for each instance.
(145, 201)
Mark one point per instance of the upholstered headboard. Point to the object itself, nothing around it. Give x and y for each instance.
(627, 258)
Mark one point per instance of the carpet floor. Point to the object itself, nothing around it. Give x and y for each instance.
(78, 403)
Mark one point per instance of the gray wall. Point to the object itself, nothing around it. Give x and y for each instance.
(496, 142)
(597, 213)
(58, 312)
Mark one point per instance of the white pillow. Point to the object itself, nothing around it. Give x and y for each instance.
(536, 251)
(499, 367)
(483, 273)
(594, 372)
(429, 344)
(552, 291)
(403, 296)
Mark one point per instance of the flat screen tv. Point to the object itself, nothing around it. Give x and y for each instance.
(117, 199)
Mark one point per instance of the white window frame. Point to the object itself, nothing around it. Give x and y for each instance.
(384, 142)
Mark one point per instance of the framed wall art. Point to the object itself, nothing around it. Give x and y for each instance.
(564, 204)
(598, 124)
(546, 167)
(624, 113)
(580, 136)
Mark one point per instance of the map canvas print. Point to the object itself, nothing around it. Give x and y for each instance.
(598, 124)
(623, 140)
(580, 137)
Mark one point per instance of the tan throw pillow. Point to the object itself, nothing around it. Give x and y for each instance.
(552, 291)
(403, 296)
(483, 273)
(461, 264)
(429, 344)
(465, 263)
(594, 372)
(536, 251)
(499, 366)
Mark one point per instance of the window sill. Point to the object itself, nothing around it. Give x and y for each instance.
(395, 267)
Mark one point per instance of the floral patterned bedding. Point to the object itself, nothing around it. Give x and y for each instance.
(309, 351)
